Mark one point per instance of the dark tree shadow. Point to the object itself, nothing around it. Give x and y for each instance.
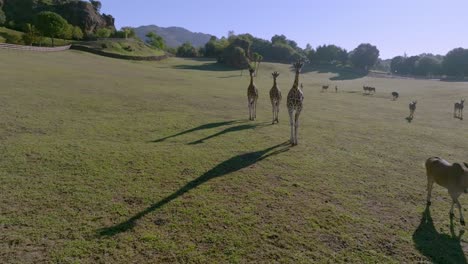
(202, 127)
(231, 165)
(228, 130)
(343, 73)
(439, 248)
(210, 66)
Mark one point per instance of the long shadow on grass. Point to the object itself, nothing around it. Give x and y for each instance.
(210, 66)
(439, 248)
(228, 130)
(202, 127)
(231, 165)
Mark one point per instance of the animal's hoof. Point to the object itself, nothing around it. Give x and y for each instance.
(428, 203)
(462, 222)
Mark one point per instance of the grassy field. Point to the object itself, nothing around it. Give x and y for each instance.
(112, 161)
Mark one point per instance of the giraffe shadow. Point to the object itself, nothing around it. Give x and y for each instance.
(226, 167)
(201, 127)
(228, 130)
(439, 248)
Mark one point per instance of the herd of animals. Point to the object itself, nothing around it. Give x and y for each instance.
(454, 177)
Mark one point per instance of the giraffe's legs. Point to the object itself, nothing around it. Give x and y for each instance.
(430, 184)
(273, 110)
(455, 201)
(255, 109)
(250, 109)
(291, 123)
(296, 126)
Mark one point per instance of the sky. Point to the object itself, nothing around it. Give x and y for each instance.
(394, 26)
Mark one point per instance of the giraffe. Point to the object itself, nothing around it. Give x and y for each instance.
(252, 96)
(294, 103)
(275, 97)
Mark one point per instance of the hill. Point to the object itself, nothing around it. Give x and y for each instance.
(174, 36)
(130, 47)
(114, 161)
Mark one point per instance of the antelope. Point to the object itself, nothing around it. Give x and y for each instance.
(454, 177)
(412, 108)
(458, 109)
(371, 89)
(325, 88)
(336, 88)
(395, 95)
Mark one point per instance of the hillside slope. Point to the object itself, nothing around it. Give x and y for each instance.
(174, 36)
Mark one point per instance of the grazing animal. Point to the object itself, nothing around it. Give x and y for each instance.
(336, 88)
(275, 97)
(371, 89)
(368, 89)
(395, 95)
(252, 97)
(412, 108)
(458, 109)
(365, 88)
(454, 177)
(325, 88)
(294, 103)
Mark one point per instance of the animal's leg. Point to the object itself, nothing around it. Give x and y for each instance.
(277, 111)
(430, 184)
(296, 126)
(273, 111)
(451, 209)
(291, 123)
(255, 109)
(250, 111)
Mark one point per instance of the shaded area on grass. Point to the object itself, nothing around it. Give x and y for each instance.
(228, 130)
(439, 248)
(228, 166)
(201, 127)
(343, 73)
(210, 66)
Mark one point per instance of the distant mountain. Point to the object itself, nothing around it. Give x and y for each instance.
(174, 36)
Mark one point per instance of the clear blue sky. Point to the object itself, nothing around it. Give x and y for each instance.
(394, 26)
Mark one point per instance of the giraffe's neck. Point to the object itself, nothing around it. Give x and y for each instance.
(274, 82)
(251, 80)
(296, 81)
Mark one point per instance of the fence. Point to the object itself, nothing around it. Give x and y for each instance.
(33, 48)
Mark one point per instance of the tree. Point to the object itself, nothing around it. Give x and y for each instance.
(129, 32)
(2, 17)
(156, 41)
(187, 50)
(427, 66)
(51, 24)
(257, 58)
(31, 35)
(77, 33)
(103, 33)
(456, 62)
(68, 32)
(397, 65)
(330, 54)
(279, 39)
(364, 56)
(96, 5)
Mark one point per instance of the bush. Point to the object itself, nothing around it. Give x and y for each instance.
(2, 17)
(13, 39)
(103, 33)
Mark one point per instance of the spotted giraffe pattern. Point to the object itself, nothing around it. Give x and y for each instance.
(252, 97)
(275, 98)
(294, 104)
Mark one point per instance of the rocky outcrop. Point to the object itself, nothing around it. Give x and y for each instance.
(77, 13)
(84, 15)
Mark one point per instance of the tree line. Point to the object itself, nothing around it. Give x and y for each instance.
(243, 50)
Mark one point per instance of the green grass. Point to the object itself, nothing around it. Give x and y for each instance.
(112, 161)
(124, 47)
